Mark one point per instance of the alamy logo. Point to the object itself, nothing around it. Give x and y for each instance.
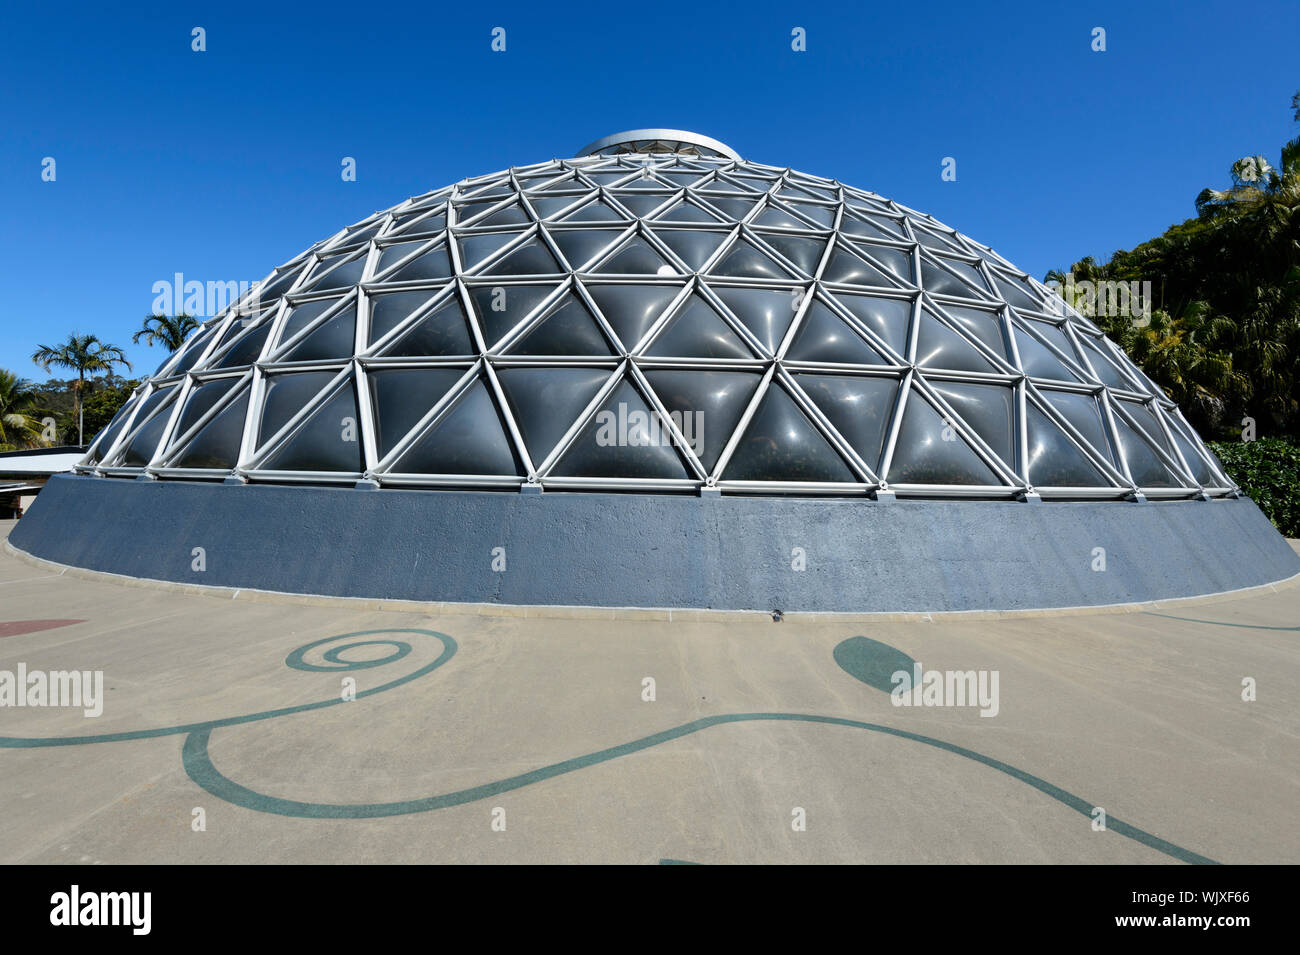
(641, 429)
(83, 688)
(1108, 298)
(103, 908)
(946, 688)
(200, 299)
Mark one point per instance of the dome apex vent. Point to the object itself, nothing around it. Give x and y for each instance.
(658, 141)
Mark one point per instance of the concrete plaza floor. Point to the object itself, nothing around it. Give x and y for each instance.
(503, 737)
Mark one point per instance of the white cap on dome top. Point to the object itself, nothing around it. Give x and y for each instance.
(670, 138)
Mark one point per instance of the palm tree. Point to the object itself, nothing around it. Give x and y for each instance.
(1256, 185)
(16, 425)
(81, 353)
(170, 330)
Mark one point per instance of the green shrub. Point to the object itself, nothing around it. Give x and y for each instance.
(1268, 471)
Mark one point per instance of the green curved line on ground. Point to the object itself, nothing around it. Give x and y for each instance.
(199, 767)
(198, 763)
(294, 660)
(1219, 623)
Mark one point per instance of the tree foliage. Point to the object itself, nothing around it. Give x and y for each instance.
(1268, 471)
(170, 331)
(82, 354)
(1224, 335)
(20, 425)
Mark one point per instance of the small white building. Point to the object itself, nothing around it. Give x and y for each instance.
(24, 473)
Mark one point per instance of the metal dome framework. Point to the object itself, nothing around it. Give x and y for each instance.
(830, 340)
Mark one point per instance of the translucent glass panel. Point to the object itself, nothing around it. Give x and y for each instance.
(889, 318)
(545, 402)
(1017, 294)
(1103, 366)
(1084, 414)
(530, 258)
(149, 425)
(557, 277)
(967, 273)
(693, 246)
(598, 211)
(698, 331)
(634, 257)
(191, 352)
(847, 268)
(581, 247)
(1144, 464)
(1054, 461)
(402, 396)
(775, 217)
(277, 285)
(714, 399)
(867, 227)
(624, 439)
(433, 265)
(500, 308)
(938, 346)
(104, 440)
(477, 214)
(990, 412)
(286, 395)
(1039, 361)
(303, 315)
(782, 444)
(643, 206)
(860, 409)
(1196, 460)
(475, 248)
(688, 211)
(767, 313)
(744, 260)
(469, 438)
(985, 327)
(333, 338)
(247, 348)
(422, 223)
(897, 262)
(443, 331)
(328, 440)
(389, 311)
(336, 272)
(941, 281)
(632, 309)
(1146, 420)
(930, 450)
(803, 251)
(201, 400)
(216, 445)
(824, 337)
(568, 328)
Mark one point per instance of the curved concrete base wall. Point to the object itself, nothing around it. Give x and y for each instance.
(636, 550)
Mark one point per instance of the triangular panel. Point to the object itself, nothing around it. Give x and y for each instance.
(782, 444)
(623, 439)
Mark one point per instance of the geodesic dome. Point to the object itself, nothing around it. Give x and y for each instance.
(658, 315)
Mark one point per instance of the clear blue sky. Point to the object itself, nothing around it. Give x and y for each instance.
(223, 164)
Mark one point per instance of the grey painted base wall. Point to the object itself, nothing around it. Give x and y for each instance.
(635, 550)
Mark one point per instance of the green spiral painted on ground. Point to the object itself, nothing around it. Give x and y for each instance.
(199, 767)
